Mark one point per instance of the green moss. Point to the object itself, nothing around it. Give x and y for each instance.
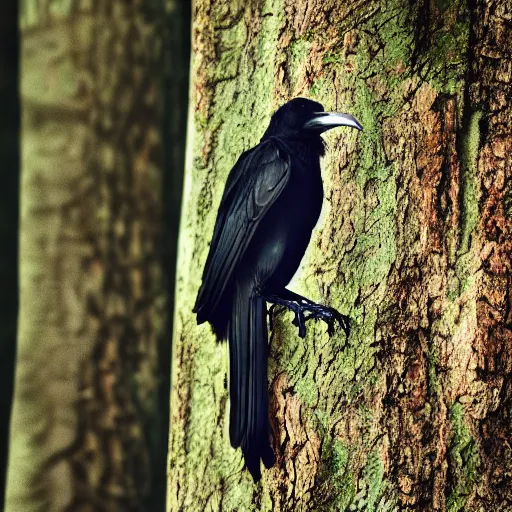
(453, 291)
(373, 475)
(395, 30)
(464, 460)
(200, 122)
(370, 493)
(318, 88)
(374, 492)
(332, 58)
(336, 473)
(465, 268)
(298, 54)
(367, 266)
(335, 456)
(470, 141)
(434, 383)
(299, 50)
(307, 390)
(375, 249)
(238, 119)
(447, 47)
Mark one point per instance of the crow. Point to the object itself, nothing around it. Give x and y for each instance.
(271, 203)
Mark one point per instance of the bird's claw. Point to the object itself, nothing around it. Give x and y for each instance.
(328, 315)
(305, 309)
(300, 322)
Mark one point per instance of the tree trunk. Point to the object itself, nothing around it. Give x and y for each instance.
(9, 206)
(413, 411)
(85, 421)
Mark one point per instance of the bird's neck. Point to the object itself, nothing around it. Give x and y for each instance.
(301, 145)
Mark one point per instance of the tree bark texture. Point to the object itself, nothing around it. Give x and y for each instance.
(414, 411)
(85, 424)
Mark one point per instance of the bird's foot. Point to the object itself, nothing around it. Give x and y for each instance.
(304, 310)
(330, 316)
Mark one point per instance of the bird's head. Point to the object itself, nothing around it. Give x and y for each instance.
(301, 116)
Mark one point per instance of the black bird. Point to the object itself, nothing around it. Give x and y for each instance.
(271, 203)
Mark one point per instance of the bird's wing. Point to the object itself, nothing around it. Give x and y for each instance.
(253, 185)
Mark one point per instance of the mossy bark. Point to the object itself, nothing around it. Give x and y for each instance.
(85, 423)
(413, 412)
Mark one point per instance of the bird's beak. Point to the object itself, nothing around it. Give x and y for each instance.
(324, 121)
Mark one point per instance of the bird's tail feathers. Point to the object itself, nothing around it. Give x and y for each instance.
(248, 351)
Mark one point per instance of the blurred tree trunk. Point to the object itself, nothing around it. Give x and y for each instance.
(413, 412)
(86, 432)
(9, 206)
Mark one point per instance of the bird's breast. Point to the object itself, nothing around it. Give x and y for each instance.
(306, 189)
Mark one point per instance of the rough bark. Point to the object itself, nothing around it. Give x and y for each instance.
(413, 412)
(85, 422)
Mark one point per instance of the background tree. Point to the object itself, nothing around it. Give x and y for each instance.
(9, 203)
(89, 425)
(413, 412)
